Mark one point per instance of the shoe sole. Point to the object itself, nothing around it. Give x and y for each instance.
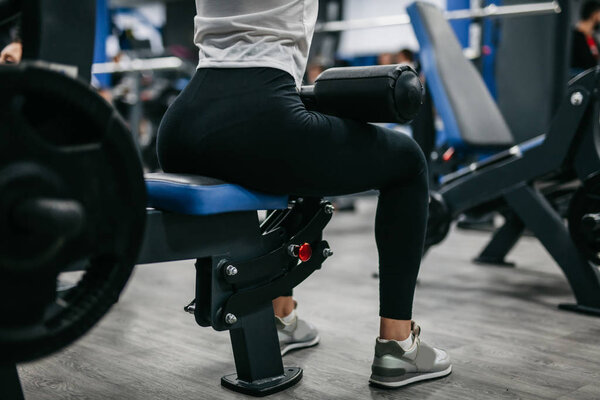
(299, 345)
(417, 378)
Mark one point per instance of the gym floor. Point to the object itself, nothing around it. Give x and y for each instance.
(500, 325)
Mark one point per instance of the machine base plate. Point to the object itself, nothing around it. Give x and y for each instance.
(263, 387)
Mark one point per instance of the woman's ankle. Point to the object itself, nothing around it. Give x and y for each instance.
(394, 329)
(283, 306)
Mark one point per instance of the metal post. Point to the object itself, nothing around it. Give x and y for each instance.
(562, 52)
(258, 364)
(136, 110)
(10, 385)
(539, 216)
(256, 346)
(502, 242)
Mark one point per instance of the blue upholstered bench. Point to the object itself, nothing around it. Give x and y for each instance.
(199, 195)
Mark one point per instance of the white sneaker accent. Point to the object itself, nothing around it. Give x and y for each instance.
(291, 317)
(416, 378)
(292, 346)
(295, 333)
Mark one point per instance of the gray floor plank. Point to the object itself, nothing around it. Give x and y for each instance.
(501, 326)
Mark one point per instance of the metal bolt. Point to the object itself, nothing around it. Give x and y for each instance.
(327, 252)
(230, 270)
(191, 309)
(293, 250)
(329, 209)
(230, 319)
(577, 98)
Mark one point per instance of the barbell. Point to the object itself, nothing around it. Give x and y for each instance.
(519, 10)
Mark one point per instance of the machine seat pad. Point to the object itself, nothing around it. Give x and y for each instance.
(200, 195)
(471, 116)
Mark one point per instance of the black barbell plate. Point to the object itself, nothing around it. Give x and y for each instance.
(78, 149)
(585, 201)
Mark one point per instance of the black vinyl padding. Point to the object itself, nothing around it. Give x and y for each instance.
(478, 118)
(386, 93)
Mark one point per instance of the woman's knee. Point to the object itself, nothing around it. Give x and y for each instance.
(410, 162)
(421, 161)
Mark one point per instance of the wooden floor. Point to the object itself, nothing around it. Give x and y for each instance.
(501, 327)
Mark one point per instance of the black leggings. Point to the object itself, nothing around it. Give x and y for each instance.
(249, 126)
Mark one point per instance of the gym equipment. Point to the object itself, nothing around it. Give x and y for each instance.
(142, 64)
(404, 19)
(74, 199)
(527, 182)
(383, 93)
(54, 214)
(72, 194)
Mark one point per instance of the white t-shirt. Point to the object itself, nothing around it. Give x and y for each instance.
(255, 33)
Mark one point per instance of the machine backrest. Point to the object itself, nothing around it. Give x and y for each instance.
(470, 115)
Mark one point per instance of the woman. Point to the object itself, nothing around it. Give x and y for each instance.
(241, 120)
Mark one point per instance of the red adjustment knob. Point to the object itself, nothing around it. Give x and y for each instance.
(303, 252)
(448, 154)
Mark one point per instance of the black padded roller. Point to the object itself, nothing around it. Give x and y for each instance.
(383, 93)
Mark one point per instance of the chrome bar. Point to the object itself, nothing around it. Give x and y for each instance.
(490, 11)
(150, 64)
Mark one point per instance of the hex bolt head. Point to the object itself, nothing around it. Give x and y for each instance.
(230, 270)
(327, 252)
(329, 209)
(230, 319)
(577, 98)
(293, 250)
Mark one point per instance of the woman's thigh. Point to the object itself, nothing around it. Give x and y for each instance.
(313, 155)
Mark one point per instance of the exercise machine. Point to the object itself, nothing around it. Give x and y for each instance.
(527, 182)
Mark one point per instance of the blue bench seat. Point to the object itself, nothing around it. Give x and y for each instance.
(199, 195)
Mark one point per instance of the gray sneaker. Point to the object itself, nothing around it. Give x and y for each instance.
(393, 367)
(297, 334)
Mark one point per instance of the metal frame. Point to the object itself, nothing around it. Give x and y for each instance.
(239, 271)
(502, 242)
(517, 179)
(241, 266)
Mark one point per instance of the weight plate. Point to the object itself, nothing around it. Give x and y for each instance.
(61, 141)
(586, 200)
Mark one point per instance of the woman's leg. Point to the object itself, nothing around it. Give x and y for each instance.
(276, 146)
